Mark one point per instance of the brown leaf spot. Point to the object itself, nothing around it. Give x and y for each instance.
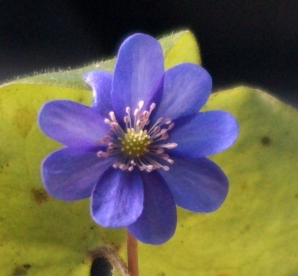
(21, 270)
(244, 185)
(265, 141)
(24, 118)
(40, 195)
(26, 266)
(81, 100)
(245, 229)
(4, 161)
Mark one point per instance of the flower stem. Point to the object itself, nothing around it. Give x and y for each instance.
(132, 254)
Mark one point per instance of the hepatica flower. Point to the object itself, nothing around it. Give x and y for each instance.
(141, 148)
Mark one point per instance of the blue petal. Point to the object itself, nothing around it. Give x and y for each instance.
(72, 124)
(186, 89)
(203, 134)
(198, 185)
(71, 173)
(117, 199)
(101, 83)
(157, 222)
(138, 73)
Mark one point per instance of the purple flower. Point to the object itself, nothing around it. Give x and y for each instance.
(140, 149)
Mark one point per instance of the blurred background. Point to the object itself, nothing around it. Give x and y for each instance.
(242, 42)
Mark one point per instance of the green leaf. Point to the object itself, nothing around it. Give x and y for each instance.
(177, 47)
(40, 235)
(185, 49)
(255, 232)
(39, 232)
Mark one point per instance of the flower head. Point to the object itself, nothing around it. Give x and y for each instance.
(140, 149)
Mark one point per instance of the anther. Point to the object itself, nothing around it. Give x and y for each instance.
(167, 121)
(107, 121)
(136, 112)
(112, 116)
(152, 106)
(141, 104)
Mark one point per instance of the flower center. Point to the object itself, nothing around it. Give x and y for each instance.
(137, 145)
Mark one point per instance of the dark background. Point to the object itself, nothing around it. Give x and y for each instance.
(249, 42)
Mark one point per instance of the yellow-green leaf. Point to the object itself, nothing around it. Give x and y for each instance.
(180, 47)
(177, 47)
(39, 235)
(255, 232)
